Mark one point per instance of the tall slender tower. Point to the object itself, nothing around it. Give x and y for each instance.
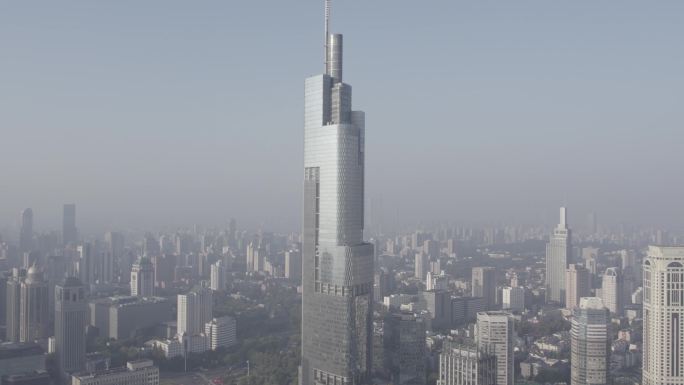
(71, 311)
(337, 265)
(26, 231)
(557, 253)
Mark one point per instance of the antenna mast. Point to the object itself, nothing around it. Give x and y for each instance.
(327, 32)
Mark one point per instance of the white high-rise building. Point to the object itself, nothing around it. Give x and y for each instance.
(557, 254)
(513, 298)
(612, 291)
(221, 332)
(194, 311)
(33, 307)
(663, 305)
(218, 276)
(590, 343)
(495, 331)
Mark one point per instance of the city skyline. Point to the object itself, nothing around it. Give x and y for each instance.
(532, 62)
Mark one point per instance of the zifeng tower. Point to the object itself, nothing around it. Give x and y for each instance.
(337, 265)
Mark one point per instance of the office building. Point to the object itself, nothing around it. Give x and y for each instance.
(590, 343)
(513, 298)
(293, 265)
(69, 231)
(484, 285)
(495, 332)
(141, 372)
(218, 276)
(557, 254)
(421, 265)
(114, 249)
(26, 231)
(125, 317)
(33, 307)
(194, 311)
(86, 263)
(71, 317)
(663, 307)
(612, 291)
(142, 278)
(221, 332)
(404, 345)
(465, 364)
(338, 264)
(577, 285)
(13, 304)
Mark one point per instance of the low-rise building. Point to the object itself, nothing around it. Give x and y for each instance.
(141, 372)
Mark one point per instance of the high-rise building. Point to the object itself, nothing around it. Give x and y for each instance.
(86, 263)
(577, 285)
(71, 317)
(484, 285)
(142, 278)
(293, 265)
(611, 290)
(13, 304)
(557, 254)
(141, 372)
(338, 264)
(404, 344)
(218, 276)
(421, 266)
(26, 231)
(221, 332)
(663, 307)
(194, 311)
(114, 247)
(513, 298)
(69, 231)
(33, 307)
(590, 343)
(495, 336)
(465, 364)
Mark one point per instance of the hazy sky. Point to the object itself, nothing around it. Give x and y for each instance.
(152, 112)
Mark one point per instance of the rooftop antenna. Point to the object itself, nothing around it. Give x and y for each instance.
(327, 32)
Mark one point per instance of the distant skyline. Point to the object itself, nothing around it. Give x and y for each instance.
(169, 113)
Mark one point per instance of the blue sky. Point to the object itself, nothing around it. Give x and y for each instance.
(154, 112)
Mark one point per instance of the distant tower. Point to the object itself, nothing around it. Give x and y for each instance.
(293, 265)
(484, 285)
(142, 278)
(194, 311)
(86, 264)
(557, 254)
(495, 336)
(421, 266)
(577, 285)
(612, 291)
(218, 276)
(26, 231)
(71, 312)
(590, 343)
(13, 303)
(114, 247)
(33, 307)
(69, 231)
(663, 304)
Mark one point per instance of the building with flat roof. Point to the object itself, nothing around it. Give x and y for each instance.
(20, 357)
(141, 372)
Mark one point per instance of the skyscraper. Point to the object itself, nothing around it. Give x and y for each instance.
(71, 311)
(69, 231)
(218, 276)
(465, 364)
(557, 253)
(33, 307)
(495, 336)
(142, 278)
(663, 350)
(484, 285)
(86, 263)
(13, 304)
(26, 231)
(612, 291)
(194, 311)
(577, 285)
(590, 343)
(114, 247)
(337, 273)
